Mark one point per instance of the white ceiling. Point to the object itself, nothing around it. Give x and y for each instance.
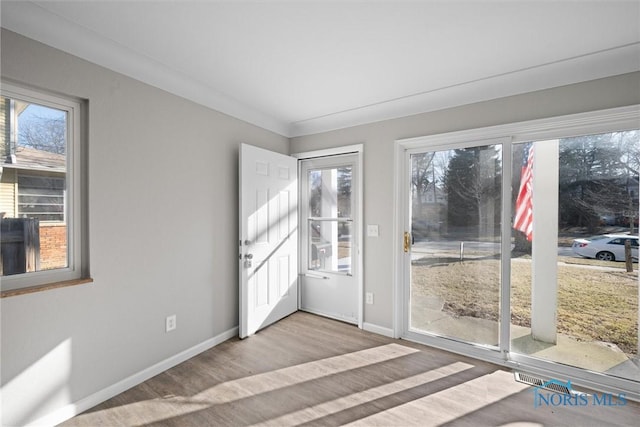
(308, 66)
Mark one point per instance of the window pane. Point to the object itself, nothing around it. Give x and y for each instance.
(330, 192)
(33, 187)
(455, 257)
(573, 300)
(41, 197)
(330, 246)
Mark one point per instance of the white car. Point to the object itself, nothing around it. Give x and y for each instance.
(607, 247)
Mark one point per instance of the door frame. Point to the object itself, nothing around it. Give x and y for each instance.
(600, 121)
(358, 150)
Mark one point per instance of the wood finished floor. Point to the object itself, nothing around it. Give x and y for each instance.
(308, 370)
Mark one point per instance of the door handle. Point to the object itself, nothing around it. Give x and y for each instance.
(407, 241)
(247, 260)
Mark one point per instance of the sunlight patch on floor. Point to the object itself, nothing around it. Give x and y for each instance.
(286, 377)
(173, 406)
(315, 412)
(449, 404)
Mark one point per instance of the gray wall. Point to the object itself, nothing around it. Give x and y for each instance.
(163, 220)
(378, 139)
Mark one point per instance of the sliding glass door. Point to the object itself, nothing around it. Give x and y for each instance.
(524, 251)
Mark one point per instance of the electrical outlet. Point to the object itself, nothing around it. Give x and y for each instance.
(369, 298)
(170, 323)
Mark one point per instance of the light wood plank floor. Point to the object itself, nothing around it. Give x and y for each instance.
(308, 370)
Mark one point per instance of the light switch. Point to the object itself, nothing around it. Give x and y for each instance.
(372, 230)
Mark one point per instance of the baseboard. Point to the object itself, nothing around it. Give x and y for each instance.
(73, 409)
(339, 318)
(370, 327)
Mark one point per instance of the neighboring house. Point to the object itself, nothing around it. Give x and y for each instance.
(431, 194)
(429, 211)
(32, 185)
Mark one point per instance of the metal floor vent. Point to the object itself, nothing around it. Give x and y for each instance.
(551, 385)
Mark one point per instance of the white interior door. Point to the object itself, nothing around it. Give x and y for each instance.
(329, 231)
(268, 240)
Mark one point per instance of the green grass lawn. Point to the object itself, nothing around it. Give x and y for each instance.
(593, 305)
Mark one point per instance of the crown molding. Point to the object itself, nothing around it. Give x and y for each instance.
(30, 20)
(36, 22)
(610, 62)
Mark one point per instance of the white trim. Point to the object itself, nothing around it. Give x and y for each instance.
(552, 127)
(336, 151)
(73, 409)
(347, 149)
(399, 227)
(505, 247)
(377, 329)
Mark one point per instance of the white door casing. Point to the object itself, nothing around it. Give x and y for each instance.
(335, 288)
(268, 238)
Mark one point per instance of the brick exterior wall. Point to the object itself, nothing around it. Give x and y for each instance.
(53, 246)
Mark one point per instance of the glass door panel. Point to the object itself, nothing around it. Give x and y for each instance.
(455, 253)
(574, 299)
(330, 246)
(329, 222)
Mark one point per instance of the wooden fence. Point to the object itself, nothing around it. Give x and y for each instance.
(20, 246)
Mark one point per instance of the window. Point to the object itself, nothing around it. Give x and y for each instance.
(40, 189)
(570, 291)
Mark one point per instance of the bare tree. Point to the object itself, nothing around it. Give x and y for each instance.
(595, 174)
(44, 133)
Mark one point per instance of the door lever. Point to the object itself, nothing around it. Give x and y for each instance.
(247, 260)
(407, 241)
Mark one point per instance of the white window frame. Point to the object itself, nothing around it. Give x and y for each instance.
(75, 177)
(596, 122)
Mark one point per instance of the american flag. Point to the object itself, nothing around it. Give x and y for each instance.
(523, 220)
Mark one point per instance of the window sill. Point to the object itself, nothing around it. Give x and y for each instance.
(45, 287)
